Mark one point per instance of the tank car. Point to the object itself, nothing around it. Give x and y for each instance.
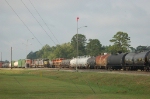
(11, 64)
(91, 62)
(65, 63)
(116, 61)
(101, 61)
(80, 62)
(129, 61)
(73, 62)
(142, 60)
(16, 64)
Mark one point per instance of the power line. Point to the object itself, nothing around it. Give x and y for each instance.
(43, 21)
(23, 22)
(38, 22)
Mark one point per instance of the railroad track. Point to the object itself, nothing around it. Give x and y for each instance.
(147, 73)
(108, 71)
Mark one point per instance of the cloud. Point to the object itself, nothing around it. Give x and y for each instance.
(104, 19)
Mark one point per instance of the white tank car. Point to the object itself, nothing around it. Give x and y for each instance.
(16, 64)
(73, 62)
(80, 62)
(9, 65)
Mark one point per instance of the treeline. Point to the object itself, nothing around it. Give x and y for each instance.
(121, 43)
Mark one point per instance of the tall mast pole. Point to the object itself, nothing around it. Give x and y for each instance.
(77, 47)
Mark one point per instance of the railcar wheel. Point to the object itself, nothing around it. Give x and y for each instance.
(109, 68)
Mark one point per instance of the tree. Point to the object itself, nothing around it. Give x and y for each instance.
(58, 51)
(142, 48)
(112, 49)
(93, 48)
(63, 51)
(132, 49)
(106, 49)
(81, 44)
(44, 52)
(32, 55)
(121, 42)
(67, 49)
(6, 61)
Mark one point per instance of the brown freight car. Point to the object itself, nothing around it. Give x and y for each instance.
(101, 61)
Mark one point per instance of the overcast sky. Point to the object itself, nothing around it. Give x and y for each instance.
(54, 22)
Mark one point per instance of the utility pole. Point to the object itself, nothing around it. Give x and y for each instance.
(11, 57)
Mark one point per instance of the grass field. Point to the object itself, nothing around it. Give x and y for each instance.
(44, 84)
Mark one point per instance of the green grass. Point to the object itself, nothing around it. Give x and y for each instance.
(42, 84)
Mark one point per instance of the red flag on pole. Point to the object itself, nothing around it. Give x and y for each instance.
(77, 18)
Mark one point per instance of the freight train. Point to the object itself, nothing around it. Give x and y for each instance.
(124, 61)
